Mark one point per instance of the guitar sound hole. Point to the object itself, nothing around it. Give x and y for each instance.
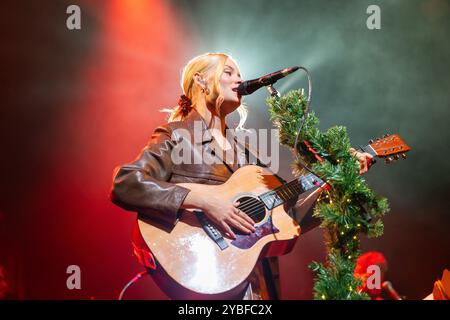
(253, 208)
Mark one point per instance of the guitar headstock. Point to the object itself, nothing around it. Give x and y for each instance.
(390, 147)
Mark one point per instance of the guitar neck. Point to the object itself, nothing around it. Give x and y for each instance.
(388, 147)
(289, 191)
(293, 189)
(369, 150)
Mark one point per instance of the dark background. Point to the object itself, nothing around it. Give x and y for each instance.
(78, 103)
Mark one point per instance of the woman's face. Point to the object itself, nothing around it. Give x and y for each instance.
(229, 81)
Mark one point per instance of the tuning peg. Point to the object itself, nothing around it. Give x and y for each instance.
(396, 157)
(403, 156)
(370, 141)
(389, 160)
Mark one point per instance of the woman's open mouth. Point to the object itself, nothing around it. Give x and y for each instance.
(236, 90)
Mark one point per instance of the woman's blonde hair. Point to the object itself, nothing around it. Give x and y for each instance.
(210, 66)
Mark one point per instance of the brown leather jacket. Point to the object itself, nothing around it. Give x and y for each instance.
(148, 184)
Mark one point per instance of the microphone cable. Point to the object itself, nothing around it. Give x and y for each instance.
(305, 113)
(132, 281)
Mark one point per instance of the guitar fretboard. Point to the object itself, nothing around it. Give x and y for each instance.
(391, 145)
(290, 190)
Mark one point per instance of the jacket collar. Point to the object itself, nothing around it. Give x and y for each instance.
(194, 116)
(192, 121)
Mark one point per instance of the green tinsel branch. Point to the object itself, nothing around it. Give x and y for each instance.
(345, 209)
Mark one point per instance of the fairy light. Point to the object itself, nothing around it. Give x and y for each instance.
(342, 238)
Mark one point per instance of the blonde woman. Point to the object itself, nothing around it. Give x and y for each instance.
(156, 186)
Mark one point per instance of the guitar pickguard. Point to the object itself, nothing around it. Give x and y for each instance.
(246, 241)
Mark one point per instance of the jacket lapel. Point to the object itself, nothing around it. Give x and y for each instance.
(244, 154)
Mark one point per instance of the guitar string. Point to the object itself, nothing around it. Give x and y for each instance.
(253, 209)
(296, 191)
(295, 183)
(252, 204)
(292, 183)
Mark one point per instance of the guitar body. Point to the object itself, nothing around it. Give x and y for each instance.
(191, 265)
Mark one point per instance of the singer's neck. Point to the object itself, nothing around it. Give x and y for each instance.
(213, 121)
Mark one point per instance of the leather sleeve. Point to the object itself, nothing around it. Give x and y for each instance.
(143, 186)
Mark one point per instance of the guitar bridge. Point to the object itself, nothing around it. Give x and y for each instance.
(211, 230)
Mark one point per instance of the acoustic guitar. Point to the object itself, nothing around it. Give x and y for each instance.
(193, 260)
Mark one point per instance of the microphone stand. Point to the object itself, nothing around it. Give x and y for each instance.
(273, 92)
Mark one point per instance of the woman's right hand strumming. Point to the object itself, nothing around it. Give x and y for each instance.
(223, 213)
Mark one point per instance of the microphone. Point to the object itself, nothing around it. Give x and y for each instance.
(387, 285)
(250, 86)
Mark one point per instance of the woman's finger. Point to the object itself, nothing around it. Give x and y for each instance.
(244, 222)
(227, 229)
(246, 217)
(363, 165)
(236, 224)
(369, 158)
